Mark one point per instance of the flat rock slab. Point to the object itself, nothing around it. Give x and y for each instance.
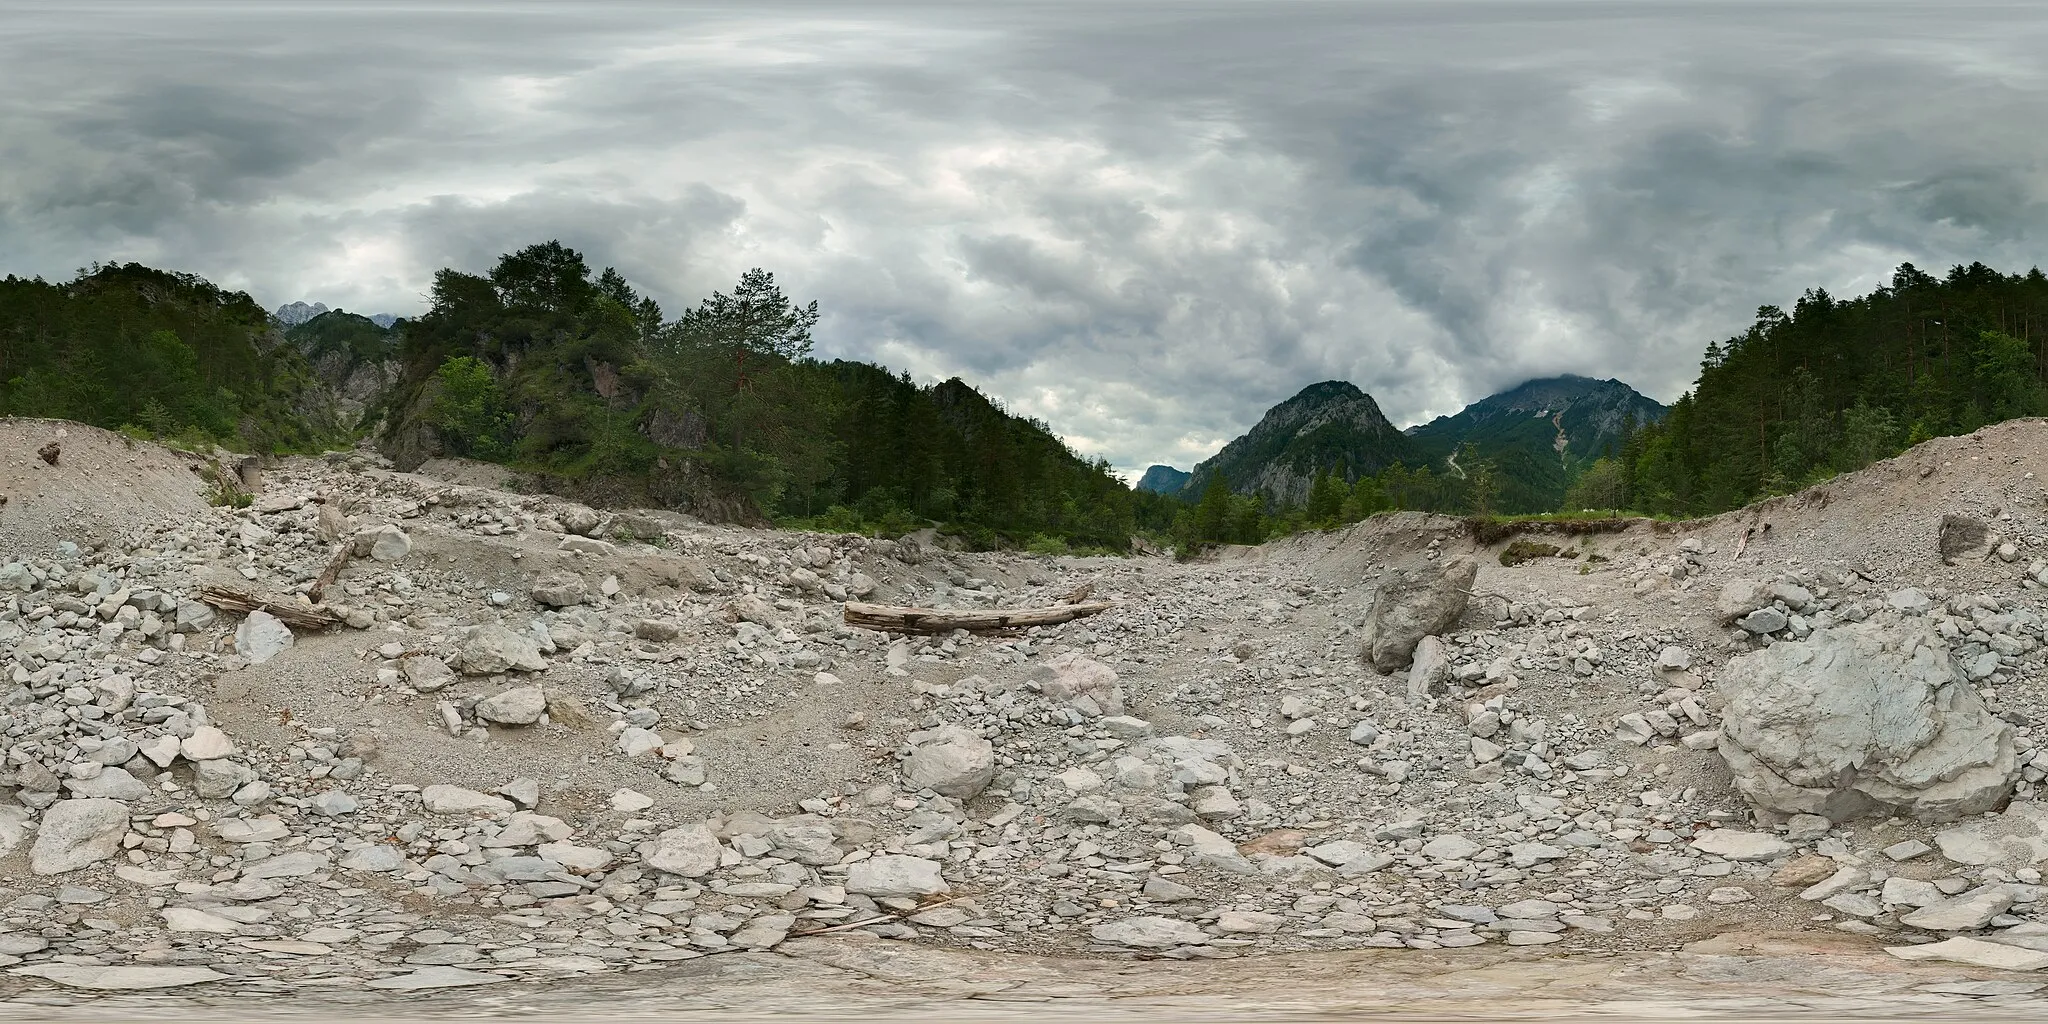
(1734, 844)
(120, 978)
(436, 977)
(1975, 952)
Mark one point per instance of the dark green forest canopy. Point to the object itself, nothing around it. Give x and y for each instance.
(1835, 384)
(547, 366)
(576, 378)
(168, 353)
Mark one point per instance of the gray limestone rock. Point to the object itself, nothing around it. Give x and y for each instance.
(1862, 719)
(950, 760)
(491, 648)
(261, 637)
(894, 874)
(1411, 604)
(77, 833)
(522, 705)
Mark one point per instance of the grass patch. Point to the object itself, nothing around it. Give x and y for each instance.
(1494, 529)
(1524, 550)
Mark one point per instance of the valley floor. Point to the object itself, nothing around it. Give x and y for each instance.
(563, 761)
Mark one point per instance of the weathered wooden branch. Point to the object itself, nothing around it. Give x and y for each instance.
(898, 619)
(343, 555)
(291, 613)
(1079, 594)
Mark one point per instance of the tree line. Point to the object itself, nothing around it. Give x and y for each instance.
(544, 365)
(162, 353)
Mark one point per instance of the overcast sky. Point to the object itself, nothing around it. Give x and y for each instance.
(1141, 222)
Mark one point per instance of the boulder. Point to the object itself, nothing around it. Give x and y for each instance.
(1084, 684)
(457, 800)
(1429, 669)
(1411, 604)
(1735, 844)
(77, 833)
(384, 544)
(1965, 539)
(560, 590)
(207, 743)
(427, 673)
(521, 705)
(691, 851)
(950, 760)
(1149, 933)
(1861, 719)
(491, 648)
(1740, 597)
(261, 637)
(895, 874)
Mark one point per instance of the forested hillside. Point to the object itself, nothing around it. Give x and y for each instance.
(1835, 384)
(167, 353)
(579, 380)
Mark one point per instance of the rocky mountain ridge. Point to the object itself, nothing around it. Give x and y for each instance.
(1538, 434)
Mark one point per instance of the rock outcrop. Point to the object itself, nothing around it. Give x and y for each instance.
(1861, 719)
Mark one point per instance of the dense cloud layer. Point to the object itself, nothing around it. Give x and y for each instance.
(1141, 223)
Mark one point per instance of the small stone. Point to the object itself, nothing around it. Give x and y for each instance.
(1907, 850)
(1149, 933)
(1801, 872)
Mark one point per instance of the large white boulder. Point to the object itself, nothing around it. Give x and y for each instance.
(950, 760)
(521, 705)
(691, 851)
(895, 874)
(1411, 604)
(1084, 684)
(77, 833)
(261, 637)
(491, 648)
(1868, 718)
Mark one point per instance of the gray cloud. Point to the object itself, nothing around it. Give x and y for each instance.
(1141, 223)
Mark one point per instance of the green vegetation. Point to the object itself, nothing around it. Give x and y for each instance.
(1523, 550)
(162, 354)
(579, 380)
(1837, 384)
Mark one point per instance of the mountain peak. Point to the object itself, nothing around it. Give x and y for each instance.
(1162, 480)
(1328, 426)
(1540, 433)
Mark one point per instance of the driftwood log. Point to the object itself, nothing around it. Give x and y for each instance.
(898, 619)
(291, 613)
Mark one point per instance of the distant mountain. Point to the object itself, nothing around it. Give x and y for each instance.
(1163, 480)
(1539, 434)
(292, 314)
(1328, 426)
(353, 357)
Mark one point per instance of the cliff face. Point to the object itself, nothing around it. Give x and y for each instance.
(1163, 480)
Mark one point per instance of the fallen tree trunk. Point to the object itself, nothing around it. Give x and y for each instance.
(291, 613)
(898, 619)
